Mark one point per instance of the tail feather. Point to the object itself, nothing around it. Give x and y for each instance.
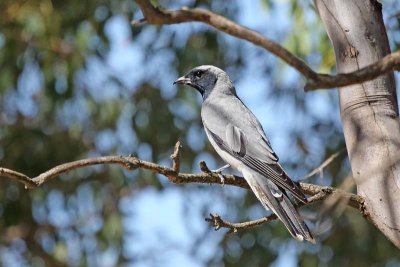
(299, 227)
(276, 199)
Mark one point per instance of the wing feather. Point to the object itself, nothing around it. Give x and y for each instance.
(236, 140)
(237, 146)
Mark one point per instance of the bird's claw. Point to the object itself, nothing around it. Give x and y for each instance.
(221, 177)
(219, 173)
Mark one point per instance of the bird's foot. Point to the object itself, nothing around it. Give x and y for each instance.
(219, 173)
(221, 177)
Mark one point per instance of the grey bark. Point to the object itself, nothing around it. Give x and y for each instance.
(369, 110)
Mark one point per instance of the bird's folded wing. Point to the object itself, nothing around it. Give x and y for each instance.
(236, 140)
(254, 155)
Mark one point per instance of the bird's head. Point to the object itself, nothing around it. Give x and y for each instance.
(205, 78)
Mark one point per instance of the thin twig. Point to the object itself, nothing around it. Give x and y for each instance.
(176, 157)
(203, 167)
(217, 222)
(324, 164)
(314, 80)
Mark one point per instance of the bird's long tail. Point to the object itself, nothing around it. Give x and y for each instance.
(275, 199)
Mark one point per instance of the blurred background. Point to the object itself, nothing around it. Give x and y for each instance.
(77, 81)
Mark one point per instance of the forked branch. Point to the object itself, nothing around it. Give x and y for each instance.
(316, 192)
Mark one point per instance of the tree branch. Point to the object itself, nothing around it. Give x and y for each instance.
(317, 192)
(314, 80)
(216, 221)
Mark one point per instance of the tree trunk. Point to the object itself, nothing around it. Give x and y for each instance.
(369, 111)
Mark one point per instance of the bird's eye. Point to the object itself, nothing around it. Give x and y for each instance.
(198, 74)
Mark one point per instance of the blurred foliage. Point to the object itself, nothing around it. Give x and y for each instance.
(77, 81)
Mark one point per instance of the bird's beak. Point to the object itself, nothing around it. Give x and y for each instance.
(183, 80)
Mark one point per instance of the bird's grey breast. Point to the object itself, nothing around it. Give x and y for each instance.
(220, 110)
(217, 117)
(216, 114)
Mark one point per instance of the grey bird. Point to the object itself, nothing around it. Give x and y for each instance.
(239, 139)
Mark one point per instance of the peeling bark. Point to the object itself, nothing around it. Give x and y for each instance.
(369, 110)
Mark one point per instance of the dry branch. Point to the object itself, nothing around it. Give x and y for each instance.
(317, 192)
(314, 80)
(217, 222)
